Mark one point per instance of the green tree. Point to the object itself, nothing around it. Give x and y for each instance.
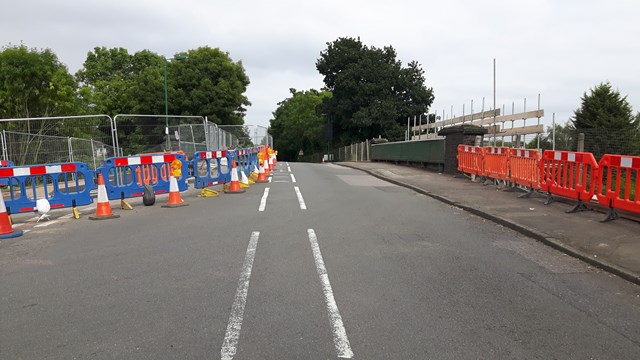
(372, 93)
(34, 83)
(607, 120)
(298, 125)
(564, 138)
(210, 83)
(106, 77)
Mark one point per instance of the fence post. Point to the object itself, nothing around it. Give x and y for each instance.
(581, 142)
(368, 150)
(93, 155)
(70, 149)
(4, 146)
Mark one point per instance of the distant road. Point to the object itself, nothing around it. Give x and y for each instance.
(327, 263)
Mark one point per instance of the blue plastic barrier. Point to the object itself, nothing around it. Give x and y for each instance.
(5, 163)
(209, 169)
(62, 184)
(125, 177)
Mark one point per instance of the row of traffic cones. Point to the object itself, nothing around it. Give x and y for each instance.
(103, 209)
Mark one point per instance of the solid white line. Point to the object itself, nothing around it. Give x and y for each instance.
(293, 178)
(263, 201)
(230, 343)
(51, 222)
(300, 199)
(340, 339)
(17, 225)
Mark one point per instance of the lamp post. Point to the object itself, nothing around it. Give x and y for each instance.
(166, 97)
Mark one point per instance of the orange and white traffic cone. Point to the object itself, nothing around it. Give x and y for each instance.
(175, 200)
(234, 186)
(6, 230)
(267, 172)
(262, 176)
(103, 210)
(271, 163)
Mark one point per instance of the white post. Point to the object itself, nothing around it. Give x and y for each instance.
(553, 129)
(494, 101)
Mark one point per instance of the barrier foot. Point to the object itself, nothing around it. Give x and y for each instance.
(76, 213)
(549, 199)
(208, 193)
(487, 182)
(526, 194)
(580, 206)
(244, 186)
(125, 205)
(611, 215)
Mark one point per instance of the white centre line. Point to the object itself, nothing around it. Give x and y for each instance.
(293, 178)
(230, 343)
(340, 339)
(288, 169)
(263, 201)
(303, 206)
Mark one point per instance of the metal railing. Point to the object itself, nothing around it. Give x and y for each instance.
(354, 152)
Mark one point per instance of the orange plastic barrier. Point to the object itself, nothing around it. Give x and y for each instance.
(619, 183)
(470, 160)
(524, 167)
(570, 174)
(496, 162)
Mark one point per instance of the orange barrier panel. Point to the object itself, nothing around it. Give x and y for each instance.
(524, 167)
(569, 174)
(619, 184)
(496, 162)
(470, 160)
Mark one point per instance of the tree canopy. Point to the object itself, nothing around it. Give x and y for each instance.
(607, 120)
(34, 83)
(297, 124)
(373, 94)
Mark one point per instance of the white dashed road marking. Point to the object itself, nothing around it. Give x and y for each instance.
(303, 206)
(263, 201)
(230, 343)
(340, 339)
(293, 178)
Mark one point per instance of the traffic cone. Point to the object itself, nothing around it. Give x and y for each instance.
(271, 164)
(234, 186)
(103, 210)
(267, 172)
(6, 230)
(262, 176)
(244, 180)
(175, 200)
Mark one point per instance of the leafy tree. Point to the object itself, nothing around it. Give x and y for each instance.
(372, 93)
(565, 135)
(34, 83)
(608, 122)
(297, 124)
(210, 83)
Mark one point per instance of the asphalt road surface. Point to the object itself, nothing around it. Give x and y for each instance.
(327, 263)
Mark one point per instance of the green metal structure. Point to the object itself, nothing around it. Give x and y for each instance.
(419, 151)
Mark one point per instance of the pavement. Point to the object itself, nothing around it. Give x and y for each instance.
(613, 246)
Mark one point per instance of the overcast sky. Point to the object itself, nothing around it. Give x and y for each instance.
(556, 48)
